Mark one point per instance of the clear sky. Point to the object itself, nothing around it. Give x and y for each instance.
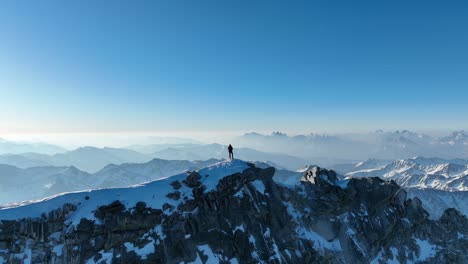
(139, 66)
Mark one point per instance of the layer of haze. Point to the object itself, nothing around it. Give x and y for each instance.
(301, 66)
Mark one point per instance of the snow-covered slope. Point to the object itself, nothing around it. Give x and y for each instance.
(39, 182)
(437, 201)
(439, 183)
(360, 166)
(154, 194)
(133, 173)
(233, 212)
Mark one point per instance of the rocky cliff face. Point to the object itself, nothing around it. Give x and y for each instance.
(241, 215)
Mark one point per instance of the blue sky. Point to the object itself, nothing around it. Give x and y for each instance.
(296, 66)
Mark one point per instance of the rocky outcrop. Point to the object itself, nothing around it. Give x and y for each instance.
(247, 218)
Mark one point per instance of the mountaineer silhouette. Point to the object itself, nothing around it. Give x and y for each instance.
(231, 154)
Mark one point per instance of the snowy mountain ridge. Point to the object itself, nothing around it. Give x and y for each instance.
(38, 182)
(233, 212)
(144, 191)
(439, 183)
(422, 172)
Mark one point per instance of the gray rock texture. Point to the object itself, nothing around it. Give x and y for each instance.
(248, 218)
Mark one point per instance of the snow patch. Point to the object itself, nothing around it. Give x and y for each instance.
(319, 242)
(460, 236)
(259, 185)
(378, 258)
(426, 249)
(239, 194)
(144, 251)
(406, 220)
(26, 255)
(394, 259)
(106, 258)
(239, 227)
(58, 249)
(292, 211)
(219, 170)
(252, 239)
(343, 184)
(277, 255)
(212, 257)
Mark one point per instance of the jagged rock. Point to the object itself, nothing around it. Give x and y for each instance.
(192, 180)
(167, 206)
(112, 208)
(248, 217)
(174, 195)
(176, 185)
(414, 211)
(140, 207)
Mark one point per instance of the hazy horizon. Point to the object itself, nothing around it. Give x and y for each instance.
(123, 139)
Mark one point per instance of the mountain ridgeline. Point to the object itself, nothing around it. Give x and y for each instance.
(439, 183)
(40, 182)
(92, 159)
(342, 148)
(235, 212)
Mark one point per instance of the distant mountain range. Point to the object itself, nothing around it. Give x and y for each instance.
(288, 151)
(218, 151)
(327, 150)
(89, 159)
(14, 147)
(92, 159)
(32, 176)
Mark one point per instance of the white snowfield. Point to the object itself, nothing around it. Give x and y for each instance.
(152, 193)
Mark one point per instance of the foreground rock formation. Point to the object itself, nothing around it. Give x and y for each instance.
(235, 213)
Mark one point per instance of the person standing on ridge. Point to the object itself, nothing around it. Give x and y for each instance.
(231, 154)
